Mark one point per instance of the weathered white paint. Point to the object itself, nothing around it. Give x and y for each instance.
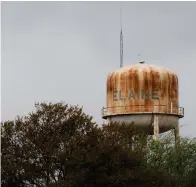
(145, 121)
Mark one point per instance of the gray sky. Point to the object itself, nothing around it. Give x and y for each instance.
(63, 51)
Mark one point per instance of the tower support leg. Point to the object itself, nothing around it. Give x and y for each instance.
(156, 127)
(145, 144)
(177, 135)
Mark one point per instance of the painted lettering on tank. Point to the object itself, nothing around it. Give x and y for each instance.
(141, 94)
(147, 96)
(115, 95)
(120, 96)
(155, 94)
(131, 94)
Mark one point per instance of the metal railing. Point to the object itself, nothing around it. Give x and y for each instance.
(131, 109)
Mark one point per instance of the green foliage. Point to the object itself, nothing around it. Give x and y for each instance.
(37, 149)
(178, 162)
(59, 145)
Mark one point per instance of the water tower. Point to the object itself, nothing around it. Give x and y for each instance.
(145, 96)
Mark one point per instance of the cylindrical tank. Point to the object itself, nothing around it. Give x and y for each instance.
(136, 92)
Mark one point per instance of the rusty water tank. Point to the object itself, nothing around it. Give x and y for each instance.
(136, 92)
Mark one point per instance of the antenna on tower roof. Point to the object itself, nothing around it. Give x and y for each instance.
(121, 38)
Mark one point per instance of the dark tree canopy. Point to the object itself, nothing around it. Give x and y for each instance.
(60, 145)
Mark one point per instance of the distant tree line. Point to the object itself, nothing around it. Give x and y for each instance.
(58, 145)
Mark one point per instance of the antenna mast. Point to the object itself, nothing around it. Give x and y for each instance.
(121, 39)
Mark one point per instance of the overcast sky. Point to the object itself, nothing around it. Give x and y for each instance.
(63, 51)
